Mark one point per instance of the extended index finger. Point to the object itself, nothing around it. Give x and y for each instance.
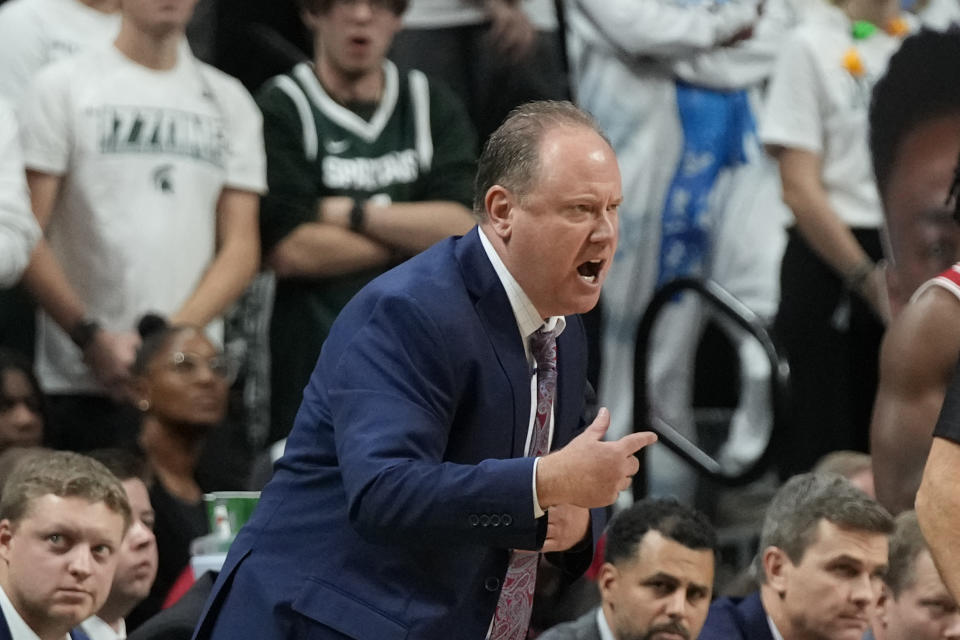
(636, 441)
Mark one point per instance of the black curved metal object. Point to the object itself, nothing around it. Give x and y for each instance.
(725, 303)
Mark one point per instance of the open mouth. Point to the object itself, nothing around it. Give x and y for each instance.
(590, 270)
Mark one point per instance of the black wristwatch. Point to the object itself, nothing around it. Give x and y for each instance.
(83, 332)
(357, 215)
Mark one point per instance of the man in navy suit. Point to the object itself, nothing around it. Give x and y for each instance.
(415, 490)
(62, 520)
(823, 552)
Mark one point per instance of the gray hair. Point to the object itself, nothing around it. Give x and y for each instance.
(845, 463)
(803, 501)
(511, 155)
(906, 544)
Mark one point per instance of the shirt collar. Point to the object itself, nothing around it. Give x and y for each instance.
(98, 629)
(19, 630)
(773, 629)
(604, 628)
(528, 318)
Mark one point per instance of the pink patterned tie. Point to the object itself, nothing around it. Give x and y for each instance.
(512, 617)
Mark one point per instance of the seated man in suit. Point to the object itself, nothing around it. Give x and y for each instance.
(916, 604)
(440, 446)
(823, 550)
(656, 578)
(62, 521)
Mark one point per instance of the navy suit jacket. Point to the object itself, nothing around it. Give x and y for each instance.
(404, 483)
(5, 634)
(737, 619)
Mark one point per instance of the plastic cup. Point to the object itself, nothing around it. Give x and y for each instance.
(239, 505)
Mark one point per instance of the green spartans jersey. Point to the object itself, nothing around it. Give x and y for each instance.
(415, 145)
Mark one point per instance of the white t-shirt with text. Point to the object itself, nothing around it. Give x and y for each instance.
(144, 156)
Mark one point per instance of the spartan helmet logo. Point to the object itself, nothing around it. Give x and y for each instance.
(163, 178)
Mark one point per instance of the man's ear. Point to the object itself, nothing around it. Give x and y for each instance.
(499, 203)
(6, 535)
(309, 19)
(607, 580)
(776, 567)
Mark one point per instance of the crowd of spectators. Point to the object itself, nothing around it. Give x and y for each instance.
(802, 154)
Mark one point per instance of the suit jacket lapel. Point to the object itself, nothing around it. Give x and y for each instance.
(755, 617)
(4, 628)
(587, 626)
(494, 309)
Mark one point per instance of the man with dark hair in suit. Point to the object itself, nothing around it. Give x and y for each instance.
(440, 446)
(656, 579)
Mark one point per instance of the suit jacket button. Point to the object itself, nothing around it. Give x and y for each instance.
(507, 520)
(484, 520)
(494, 520)
(491, 584)
(474, 520)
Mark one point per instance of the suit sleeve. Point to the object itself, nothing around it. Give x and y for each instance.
(394, 398)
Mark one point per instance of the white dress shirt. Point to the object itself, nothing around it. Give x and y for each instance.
(19, 630)
(605, 632)
(528, 321)
(773, 629)
(98, 629)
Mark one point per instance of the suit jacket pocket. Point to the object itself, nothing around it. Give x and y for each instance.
(342, 612)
